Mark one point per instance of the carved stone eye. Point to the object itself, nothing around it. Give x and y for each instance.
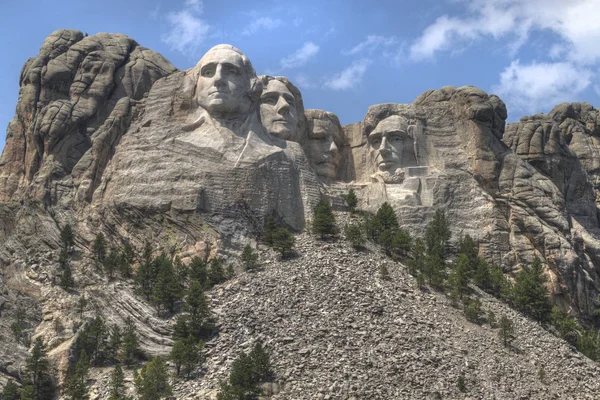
(208, 72)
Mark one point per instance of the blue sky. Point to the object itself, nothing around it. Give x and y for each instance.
(346, 55)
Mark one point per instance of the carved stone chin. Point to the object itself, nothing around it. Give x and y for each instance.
(386, 177)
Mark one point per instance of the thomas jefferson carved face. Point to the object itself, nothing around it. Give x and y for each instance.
(278, 111)
(321, 148)
(391, 145)
(223, 84)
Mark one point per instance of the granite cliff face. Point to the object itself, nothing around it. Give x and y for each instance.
(109, 137)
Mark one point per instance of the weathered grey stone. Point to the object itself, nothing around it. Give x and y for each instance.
(322, 143)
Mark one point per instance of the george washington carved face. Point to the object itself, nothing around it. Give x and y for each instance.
(224, 82)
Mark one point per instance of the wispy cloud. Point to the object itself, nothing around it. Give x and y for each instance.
(538, 86)
(350, 77)
(187, 31)
(372, 43)
(301, 56)
(574, 22)
(262, 23)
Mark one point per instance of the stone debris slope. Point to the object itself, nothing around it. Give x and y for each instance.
(336, 330)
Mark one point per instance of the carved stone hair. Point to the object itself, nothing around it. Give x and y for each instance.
(313, 114)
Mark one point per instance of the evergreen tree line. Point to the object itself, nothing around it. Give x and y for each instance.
(247, 372)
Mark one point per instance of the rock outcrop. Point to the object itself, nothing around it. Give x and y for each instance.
(110, 137)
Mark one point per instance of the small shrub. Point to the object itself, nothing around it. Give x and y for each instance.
(506, 331)
(473, 311)
(461, 384)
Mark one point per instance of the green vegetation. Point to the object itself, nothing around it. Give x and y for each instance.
(131, 349)
(529, 293)
(117, 385)
(19, 326)
(37, 381)
(249, 259)
(354, 234)
(283, 241)
(351, 201)
(247, 372)
(152, 383)
(76, 388)
(10, 392)
(187, 355)
(507, 330)
(324, 220)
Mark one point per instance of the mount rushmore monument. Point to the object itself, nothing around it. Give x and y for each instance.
(109, 137)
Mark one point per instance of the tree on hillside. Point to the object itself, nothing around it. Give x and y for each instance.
(507, 330)
(324, 220)
(199, 320)
(387, 218)
(283, 241)
(117, 385)
(198, 271)
(10, 392)
(152, 383)
(37, 382)
(468, 247)
(270, 227)
(529, 292)
(216, 273)
(130, 350)
(247, 372)
(99, 250)
(354, 234)
(186, 354)
(438, 234)
(249, 259)
(351, 201)
(460, 276)
(167, 290)
(76, 388)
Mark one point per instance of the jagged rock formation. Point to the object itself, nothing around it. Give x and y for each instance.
(110, 137)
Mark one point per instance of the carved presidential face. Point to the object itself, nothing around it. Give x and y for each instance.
(391, 146)
(321, 148)
(223, 84)
(278, 111)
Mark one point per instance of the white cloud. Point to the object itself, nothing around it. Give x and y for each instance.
(195, 5)
(350, 77)
(266, 23)
(186, 33)
(301, 56)
(573, 21)
(304, 82)
(372, 43)
(537, 87)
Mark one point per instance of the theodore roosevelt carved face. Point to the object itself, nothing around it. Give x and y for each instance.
(322, 144)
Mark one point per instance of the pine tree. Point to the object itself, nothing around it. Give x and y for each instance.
(127, 257)
(152, 383)
(81, 305)
(37, 382)
(166, 291)
(10, 392)
(146, 275)
(18, 326)
(460, 276)
(130, 343)
(438, 234)
(506, 331)
(216, 274)
(67, 237)
(198, 271)
(269, 230)
(99, 250)
(261, 363)
(351, 201)
(76, 388)
(242, 383)
(111, 262)
(566, 326)
(283, 241)
(66, 277)
(200, 323)
(483, 276)
(401, 244)
(114, 343)
(354, 234)
(372, 228)
(468, 247)
(473, 311)
(529, 292)
(434, 267)
(117, 385)
(249, 259)
(187, 355)
(324, 220)
(416, 263)
(387, 218)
